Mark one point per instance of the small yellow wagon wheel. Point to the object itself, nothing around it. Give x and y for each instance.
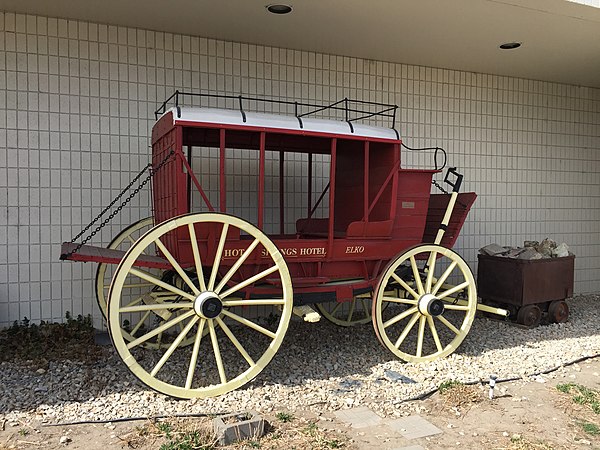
(347, 314)
(122, 241)
(223, 253)
(431, 297)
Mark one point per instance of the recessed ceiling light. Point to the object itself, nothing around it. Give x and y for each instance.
(510, 45)
(279, 9)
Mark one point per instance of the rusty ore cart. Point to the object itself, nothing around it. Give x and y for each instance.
(198, 300)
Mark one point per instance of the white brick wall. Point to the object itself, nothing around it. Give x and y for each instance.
(76, 103)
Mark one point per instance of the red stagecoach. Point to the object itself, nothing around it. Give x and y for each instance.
(258, 216)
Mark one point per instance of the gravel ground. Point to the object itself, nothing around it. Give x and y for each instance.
(319, 367)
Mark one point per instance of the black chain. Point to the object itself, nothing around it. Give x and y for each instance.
(120, 207)
(441, 188)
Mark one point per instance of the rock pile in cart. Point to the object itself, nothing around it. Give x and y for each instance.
(530, 250)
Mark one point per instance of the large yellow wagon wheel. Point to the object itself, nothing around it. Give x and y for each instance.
(431, 297)
(123, 241)
(239, 344)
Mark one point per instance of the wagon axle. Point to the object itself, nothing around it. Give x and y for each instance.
(430, 306)
(208, 305)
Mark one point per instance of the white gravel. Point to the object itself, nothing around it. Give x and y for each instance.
(319, 367)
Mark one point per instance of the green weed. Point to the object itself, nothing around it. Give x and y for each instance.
(520, 443)
(165, 428)
(72, 339)
(284, 417)
(333, 443)
(311, 428)
(590, 428)
(582, 395)
(190, 440)
(181, 439)
(448, 385)
(565, 388)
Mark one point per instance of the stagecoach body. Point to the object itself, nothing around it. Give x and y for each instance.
(299, 214)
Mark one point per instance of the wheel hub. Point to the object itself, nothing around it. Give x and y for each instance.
(208, 305)
(429, 305)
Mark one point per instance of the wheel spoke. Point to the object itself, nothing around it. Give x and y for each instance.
(140, 323)
(176, 265)
(237, 265)
(448, 324)
(416, 275)
(444, 277)
(162, 295)
(174, 346)
(365, 308)
(455, 289)
(401, 316)
(351, 312)
(257, 302)
(430, 271)
(422, 321)
(136, 301)
(235, 342)
(194, 358)
(249, 281)
(156, 306)
(217, 260)
(405, 286)
(335, 308)
(457, 307)
(134, 285)
(146, 276)
(197, 260)
(159, 329)
(249, 323)
(404, 301)
(409, 327)
(215, 345)
(433, 330)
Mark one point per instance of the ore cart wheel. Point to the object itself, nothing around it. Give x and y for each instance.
(347, 314)
(529, 315)
(123, 241)
(558, 311)
(430, 310)
(238, 347)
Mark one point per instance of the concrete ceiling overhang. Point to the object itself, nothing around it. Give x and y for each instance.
(560, 38)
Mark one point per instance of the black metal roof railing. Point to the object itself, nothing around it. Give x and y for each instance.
(352, 110)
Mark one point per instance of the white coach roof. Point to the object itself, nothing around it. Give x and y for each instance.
(283, 122)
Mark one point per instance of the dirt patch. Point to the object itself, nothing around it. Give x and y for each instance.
(172, 434)
(523, 415)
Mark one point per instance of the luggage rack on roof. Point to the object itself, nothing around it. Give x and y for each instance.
(349, 107)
